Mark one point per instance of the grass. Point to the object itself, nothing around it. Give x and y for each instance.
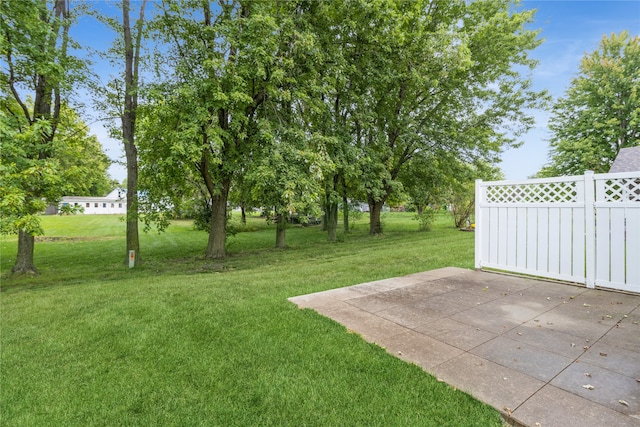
(181, 341)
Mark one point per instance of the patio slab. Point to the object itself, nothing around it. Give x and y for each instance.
(525, 346)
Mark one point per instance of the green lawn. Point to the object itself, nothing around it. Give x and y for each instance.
(185, 341)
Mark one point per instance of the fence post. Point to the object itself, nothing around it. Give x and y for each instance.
(478, 231)
(590, 229)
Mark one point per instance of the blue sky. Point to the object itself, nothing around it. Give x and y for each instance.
(570, 28)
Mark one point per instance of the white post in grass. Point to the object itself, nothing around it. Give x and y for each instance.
(132, 259)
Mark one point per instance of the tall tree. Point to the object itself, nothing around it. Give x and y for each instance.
(215, 73)
(35, 44)
(343, 31)
(442, 76)
(290, 160)
(227, 69)
(600, 112)
(119, 99)
(288, 176)
(132, 46)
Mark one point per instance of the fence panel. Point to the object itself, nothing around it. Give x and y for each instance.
(583, 229)
(578, 242)
(602, 239)
(521, 226)
(522, 223)
(566, 242)
(532, 239)
(633, 248)
(617, 218)
(543, 240)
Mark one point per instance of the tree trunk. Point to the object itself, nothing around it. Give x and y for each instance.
(218, 224)
(281, 231)
(244, 214)
(331, 210)
(375, 208)
(24, 260)
(45, 93)
(345, 213)
(332, 221)
(132, 59)
(133, 237)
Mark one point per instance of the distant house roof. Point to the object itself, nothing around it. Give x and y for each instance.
(628, 160)
(118, 193)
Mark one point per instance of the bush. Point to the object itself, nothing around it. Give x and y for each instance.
(202, 218)
(425, 219)
(70, 210)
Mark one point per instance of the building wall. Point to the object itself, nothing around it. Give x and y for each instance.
(114, 203)
(97, 205)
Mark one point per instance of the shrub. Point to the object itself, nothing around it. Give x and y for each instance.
(425, 219)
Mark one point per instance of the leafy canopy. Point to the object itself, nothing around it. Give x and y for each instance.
(36, 77)
(600, 112)
(74, 164)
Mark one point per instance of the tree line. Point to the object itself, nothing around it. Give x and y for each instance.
(295, 105)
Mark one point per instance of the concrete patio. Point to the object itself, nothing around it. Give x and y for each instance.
(541, 353)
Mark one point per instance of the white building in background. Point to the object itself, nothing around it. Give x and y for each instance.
(113, 203)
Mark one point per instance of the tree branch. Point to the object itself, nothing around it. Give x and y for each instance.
(12, 80)
(136, 54)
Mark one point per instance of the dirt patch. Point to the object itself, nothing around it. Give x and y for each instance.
(69, 239)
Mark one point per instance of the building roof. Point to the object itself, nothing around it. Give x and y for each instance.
(91, 199)
(627, 160)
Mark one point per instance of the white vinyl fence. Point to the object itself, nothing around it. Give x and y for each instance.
(583, 229)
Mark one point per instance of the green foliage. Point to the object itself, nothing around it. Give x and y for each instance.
(355, 214)
(202, 218)
(600, 112)
(67, 209)
(34, 48)
(417, 79)
(244, 90)
(73, 164)
(462, 204)
(82, 160)
(425, 218)
(28, 182)
(289, 173)
(35, 42)
(427, 179)
(201, 215)
(461, 189)
(224, 107)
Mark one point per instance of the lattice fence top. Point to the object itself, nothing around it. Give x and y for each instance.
(619, 190)
(541, 192)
